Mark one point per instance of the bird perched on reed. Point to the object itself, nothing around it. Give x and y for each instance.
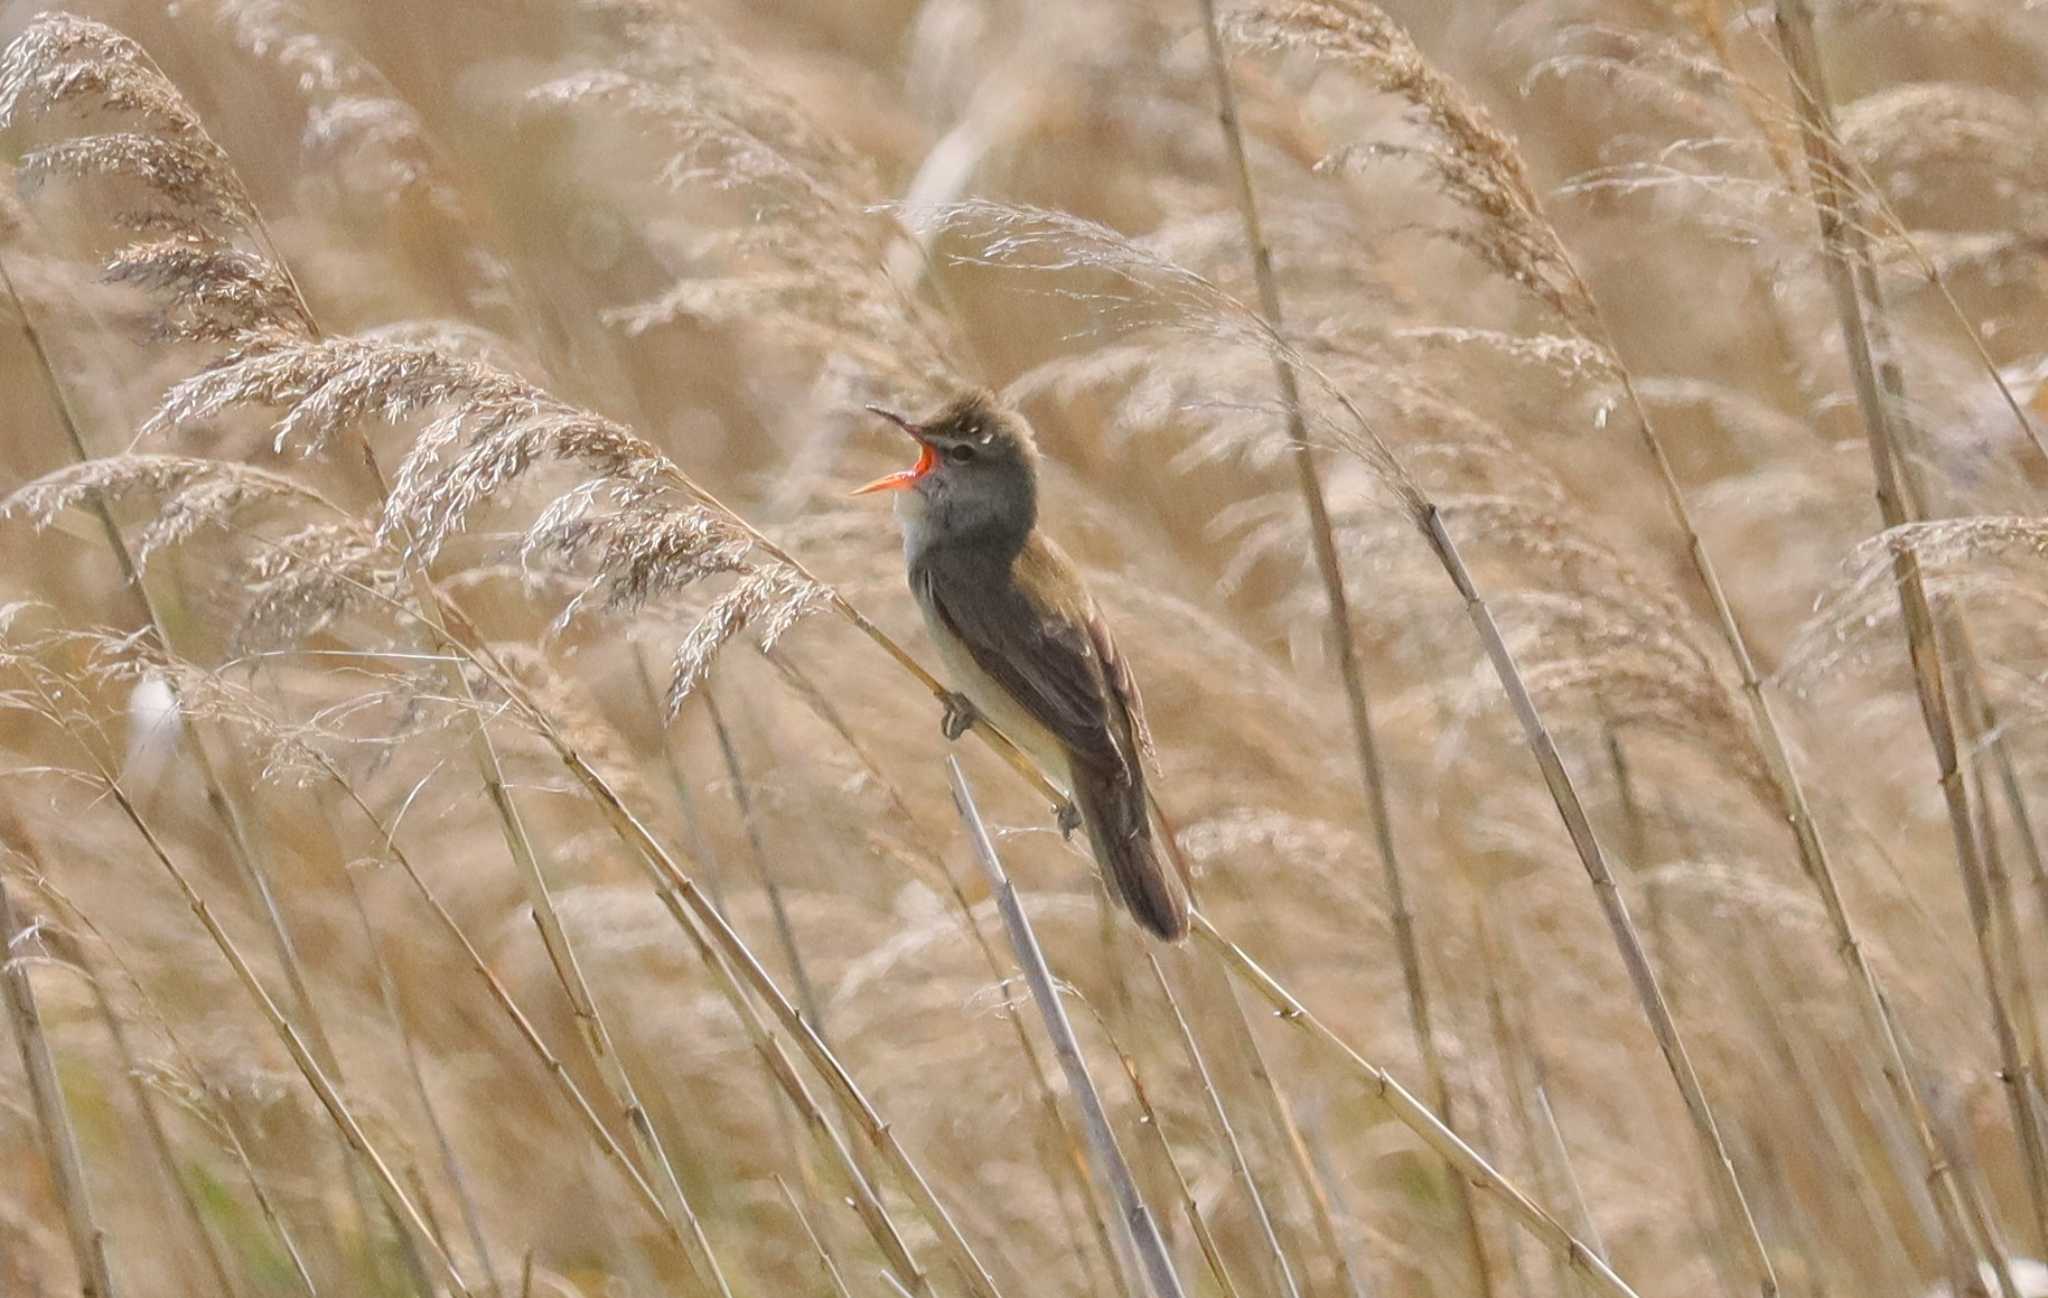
(1023, 643)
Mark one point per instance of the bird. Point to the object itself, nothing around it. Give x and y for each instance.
(1022, 642)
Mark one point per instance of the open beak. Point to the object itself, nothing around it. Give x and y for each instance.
(908, 477)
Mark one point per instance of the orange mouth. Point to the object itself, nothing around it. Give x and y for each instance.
(927, 459)
(907, 478)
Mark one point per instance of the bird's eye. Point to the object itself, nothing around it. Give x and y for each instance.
(960, 453)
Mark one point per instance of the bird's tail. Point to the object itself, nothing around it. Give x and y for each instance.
(1112, 806)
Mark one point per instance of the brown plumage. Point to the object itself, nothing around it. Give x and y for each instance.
(1023, 642)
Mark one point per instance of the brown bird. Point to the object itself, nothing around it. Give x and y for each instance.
(1023, 642)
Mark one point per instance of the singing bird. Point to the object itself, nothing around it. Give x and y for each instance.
(1022, 641)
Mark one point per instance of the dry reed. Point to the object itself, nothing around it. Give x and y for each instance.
(397, 387)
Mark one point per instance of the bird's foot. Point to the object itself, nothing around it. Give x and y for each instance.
(960, 715)
(1068, 817)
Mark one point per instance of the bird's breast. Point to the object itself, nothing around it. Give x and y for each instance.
(912, 513)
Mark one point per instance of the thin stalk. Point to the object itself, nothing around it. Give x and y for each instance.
(1337, 628)
(1497, 948)
(1114, 1013)
(1549, 1159)
(2005, 929)
(265, 1201)
(1986, 728)
(1150, 1121)
(785, 932)
(444, 1148)
(1221, 1116)
(1109, 1160)
(686, 801)
(53, 1116)
(152, 1120)
(415, 1269)
(1313, 1183)
(825, 1262)
(1845, 247)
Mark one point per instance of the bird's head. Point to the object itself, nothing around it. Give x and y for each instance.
(976, 473)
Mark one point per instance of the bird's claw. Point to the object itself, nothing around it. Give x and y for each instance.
(1068, 817)
(960, 715)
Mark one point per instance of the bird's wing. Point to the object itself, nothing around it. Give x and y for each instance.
(1040, 637)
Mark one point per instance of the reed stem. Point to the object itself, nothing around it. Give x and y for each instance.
(53, 1113)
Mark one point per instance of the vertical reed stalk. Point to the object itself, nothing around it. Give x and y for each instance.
(53, 1115)
(1109, 1160)
(1593, 856)
(1845, 247)
(686, 801)
(1342, 640)
(1728, 1187)
(785, 931)
(1239, 1164)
